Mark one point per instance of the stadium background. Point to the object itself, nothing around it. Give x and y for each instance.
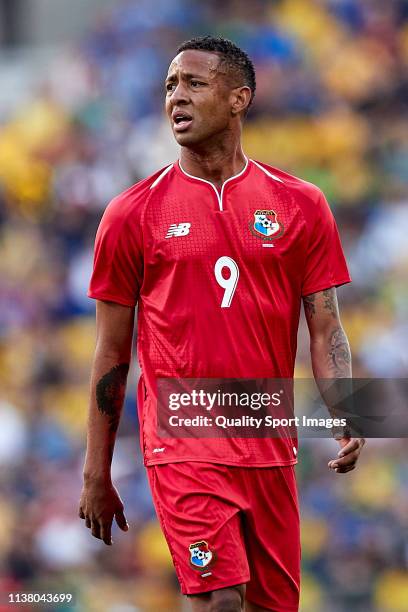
(80, 119)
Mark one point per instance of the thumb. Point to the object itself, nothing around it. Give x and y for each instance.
(121, 520)
(343, 441)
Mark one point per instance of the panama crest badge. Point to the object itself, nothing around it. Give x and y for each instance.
(266, 225)
(200, 555)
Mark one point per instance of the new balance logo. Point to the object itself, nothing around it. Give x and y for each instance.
(175, 230)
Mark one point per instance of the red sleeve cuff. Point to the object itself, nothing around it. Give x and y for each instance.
(327, 285)
(107, 297)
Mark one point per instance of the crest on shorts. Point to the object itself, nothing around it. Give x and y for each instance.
(266, 225)
(200, 555)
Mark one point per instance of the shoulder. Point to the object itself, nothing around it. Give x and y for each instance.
(307, 195)
(131, 203)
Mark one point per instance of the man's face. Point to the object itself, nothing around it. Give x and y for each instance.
(197, 97)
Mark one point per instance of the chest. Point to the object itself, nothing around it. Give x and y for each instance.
(255, 227)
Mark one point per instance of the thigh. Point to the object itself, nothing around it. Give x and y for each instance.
(230, 598)
(273, 539)
(201, 521)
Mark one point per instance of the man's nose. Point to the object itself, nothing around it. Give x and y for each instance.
(180, 94)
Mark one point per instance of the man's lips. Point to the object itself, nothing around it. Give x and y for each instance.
(183, 125)
(181, 121)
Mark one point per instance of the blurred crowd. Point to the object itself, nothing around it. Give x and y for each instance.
(330, 107)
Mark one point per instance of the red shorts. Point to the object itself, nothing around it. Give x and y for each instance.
(231, 525)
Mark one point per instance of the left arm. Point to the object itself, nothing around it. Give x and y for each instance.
(331, 358)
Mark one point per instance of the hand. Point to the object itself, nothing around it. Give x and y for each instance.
(99, 503)
(350, 449)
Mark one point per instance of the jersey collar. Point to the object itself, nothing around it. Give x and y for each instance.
(220, 193)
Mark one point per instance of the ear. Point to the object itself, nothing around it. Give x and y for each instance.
(240, 99)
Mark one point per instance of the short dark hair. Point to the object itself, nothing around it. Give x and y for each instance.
(236, 60)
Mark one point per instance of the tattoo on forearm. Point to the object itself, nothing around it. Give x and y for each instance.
(339, 353)
(110, 393)
(309, 304)
(330, 301)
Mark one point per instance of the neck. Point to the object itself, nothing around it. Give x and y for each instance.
(216, 164)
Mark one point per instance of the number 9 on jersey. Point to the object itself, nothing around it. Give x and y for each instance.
(230, 283)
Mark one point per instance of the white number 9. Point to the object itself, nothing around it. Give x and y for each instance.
(229, 284)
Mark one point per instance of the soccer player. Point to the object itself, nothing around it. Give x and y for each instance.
(217, 251)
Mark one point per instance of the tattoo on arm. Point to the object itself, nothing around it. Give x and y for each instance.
(110, 393)
(330, 302)
(309, 304)
(339, 353)
(327, 300)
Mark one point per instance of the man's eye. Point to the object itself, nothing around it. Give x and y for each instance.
(196, 83)
(170, 86)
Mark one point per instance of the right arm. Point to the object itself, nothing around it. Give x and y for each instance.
(100, 501)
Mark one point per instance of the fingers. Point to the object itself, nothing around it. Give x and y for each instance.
(98, 515)
(351, 446)
(343, 469)
(101, 531)
(106, 534)
(347, 456)
(95, 529)
(83, 516)
(121, 520)
(349, 459)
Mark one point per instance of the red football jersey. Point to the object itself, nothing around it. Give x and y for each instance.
(169, 244)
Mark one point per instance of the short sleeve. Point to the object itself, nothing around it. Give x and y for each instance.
(118, 257)
(325, 262)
